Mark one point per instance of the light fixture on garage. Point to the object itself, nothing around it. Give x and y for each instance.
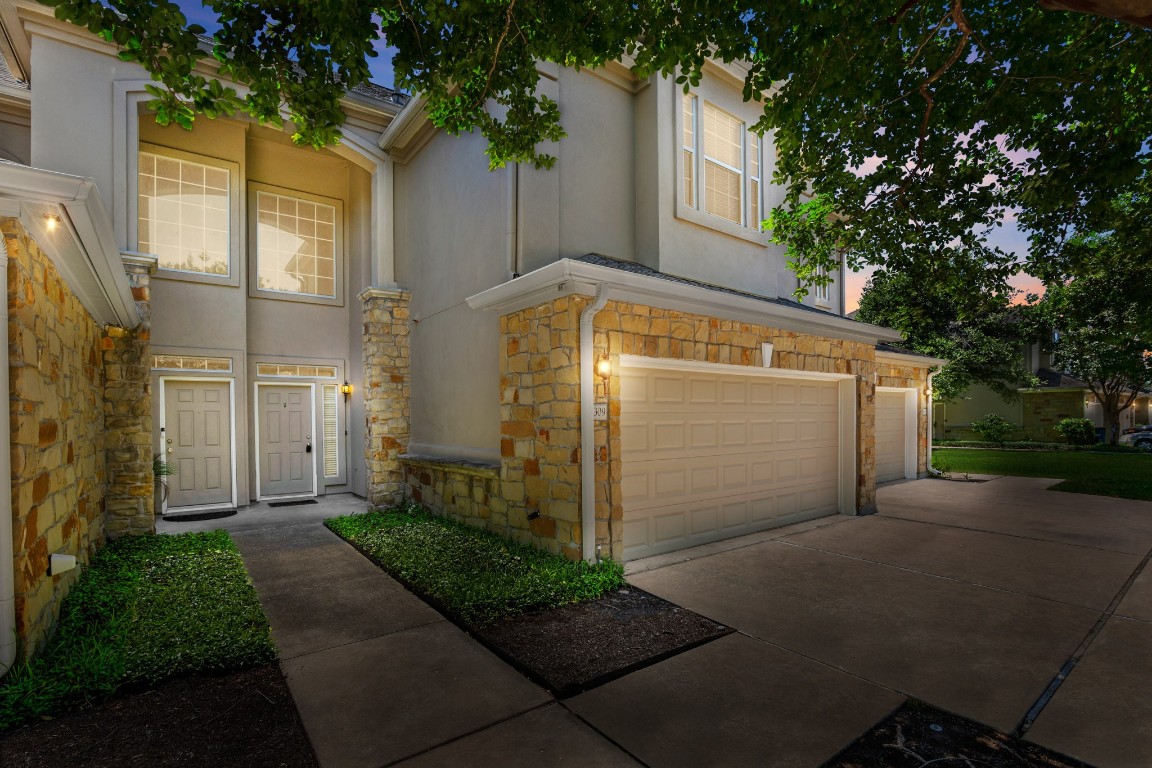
(346, 388)
(766, 352)
(51, 221)
(604, 367)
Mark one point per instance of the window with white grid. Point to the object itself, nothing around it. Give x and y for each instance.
(822, 293)
(721, 163)
(295, 245)
(184, 214)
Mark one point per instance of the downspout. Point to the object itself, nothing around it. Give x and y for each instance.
(513, 230)
(588, 427)
(931, 426)
(7, 565)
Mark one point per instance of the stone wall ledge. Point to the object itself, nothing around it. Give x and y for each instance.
(490, 470)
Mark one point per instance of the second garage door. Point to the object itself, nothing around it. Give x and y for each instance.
(891, 436)
(708, 456)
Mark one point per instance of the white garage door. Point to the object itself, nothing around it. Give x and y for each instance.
(708, 456)
(891, 426)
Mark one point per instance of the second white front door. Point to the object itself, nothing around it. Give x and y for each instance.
(284, 440)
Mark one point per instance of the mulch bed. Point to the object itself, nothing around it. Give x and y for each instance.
(240, 720)
(917, 734)
(577, 647)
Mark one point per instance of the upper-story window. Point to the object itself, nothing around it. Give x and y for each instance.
(721, 164)
(822, 293)
(297, 245)
(184, 214)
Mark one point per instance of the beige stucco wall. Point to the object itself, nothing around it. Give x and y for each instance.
(58, 436)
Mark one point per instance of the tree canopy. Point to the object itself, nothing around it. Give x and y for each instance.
(920, 125)
(986, 349)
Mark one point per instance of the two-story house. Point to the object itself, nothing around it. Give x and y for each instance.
(603, 358)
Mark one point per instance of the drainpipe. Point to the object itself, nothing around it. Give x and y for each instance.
(513, 226)
(7, 566)
(588, 427)
(931, 427)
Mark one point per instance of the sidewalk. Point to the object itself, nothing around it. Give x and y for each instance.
(380, 678)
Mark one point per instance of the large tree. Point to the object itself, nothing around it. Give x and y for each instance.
(985, 348)
(921, 124)
(1100, 314)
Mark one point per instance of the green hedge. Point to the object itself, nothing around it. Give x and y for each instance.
(474, 575)
(147, 608)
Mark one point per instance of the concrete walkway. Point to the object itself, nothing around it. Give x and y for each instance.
(970, 596)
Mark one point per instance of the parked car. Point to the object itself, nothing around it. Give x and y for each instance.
(1138, 437)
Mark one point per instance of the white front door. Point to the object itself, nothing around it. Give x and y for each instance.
(284, 440)
(707, 456)
(197, 442)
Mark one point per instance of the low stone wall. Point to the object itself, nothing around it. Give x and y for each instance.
(1044, 410)
(58, 432)
(467, 491)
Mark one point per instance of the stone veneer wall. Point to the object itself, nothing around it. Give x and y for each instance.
(540, 403)
(387, 391)
(908, 376)
(1044, 410)
(128, 414)
(58, 432)
(467, 491)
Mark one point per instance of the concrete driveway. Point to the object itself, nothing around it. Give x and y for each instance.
(970, 596)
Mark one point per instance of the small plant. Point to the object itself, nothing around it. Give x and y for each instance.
(993, 427)
(161, 470)
(942, 465)
(1077, 431)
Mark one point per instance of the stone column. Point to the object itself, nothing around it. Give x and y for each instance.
(128, 411)
(387, 391)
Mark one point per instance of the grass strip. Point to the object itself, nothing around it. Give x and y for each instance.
(475, 576)
(147, 608)
(1124, 475)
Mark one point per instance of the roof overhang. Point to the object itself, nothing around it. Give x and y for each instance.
(567, 277)
(66, 217)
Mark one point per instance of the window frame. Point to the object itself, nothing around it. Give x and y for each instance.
(822, 294)
(235, 214)
(712, 95)
(254, 289)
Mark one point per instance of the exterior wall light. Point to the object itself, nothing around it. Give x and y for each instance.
(604, 367)
(346, 388)
(766, 353)
(51, 221)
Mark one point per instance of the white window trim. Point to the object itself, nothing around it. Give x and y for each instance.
(235, 215)
(822, 294)
(696, 214)
(254, 290)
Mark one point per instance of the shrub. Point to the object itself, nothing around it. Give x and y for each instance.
(993, 428)
(1077, 431)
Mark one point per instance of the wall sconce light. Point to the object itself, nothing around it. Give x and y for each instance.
(346, 388)
(51, 221)
(604, 367)
(766, 353)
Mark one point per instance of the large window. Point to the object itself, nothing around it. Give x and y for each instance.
(721, 164)
(296, 245)
(184, 214)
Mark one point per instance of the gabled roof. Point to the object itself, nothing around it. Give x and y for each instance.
(7, 78)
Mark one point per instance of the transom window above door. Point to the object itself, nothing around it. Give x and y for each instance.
(184, 214)
(297, 246)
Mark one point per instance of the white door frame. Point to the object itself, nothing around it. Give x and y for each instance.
(846, 410)
(256, 435)
(911, 427)
(163, 449)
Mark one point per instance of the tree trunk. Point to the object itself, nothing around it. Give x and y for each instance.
(1138, 12)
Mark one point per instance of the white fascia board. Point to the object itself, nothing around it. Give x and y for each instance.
(406, 125)
(83, 248)
(566, 277)
(908, 358)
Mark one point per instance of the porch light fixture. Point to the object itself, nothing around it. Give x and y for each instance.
(604, 367)
(346, 388)
(51, 221)
(766, 352)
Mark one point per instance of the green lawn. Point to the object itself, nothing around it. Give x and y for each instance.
(146, 609)
(1127, 475)
(474, 575)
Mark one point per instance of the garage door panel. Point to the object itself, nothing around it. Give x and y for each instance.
(709, 456)
(890, 436)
